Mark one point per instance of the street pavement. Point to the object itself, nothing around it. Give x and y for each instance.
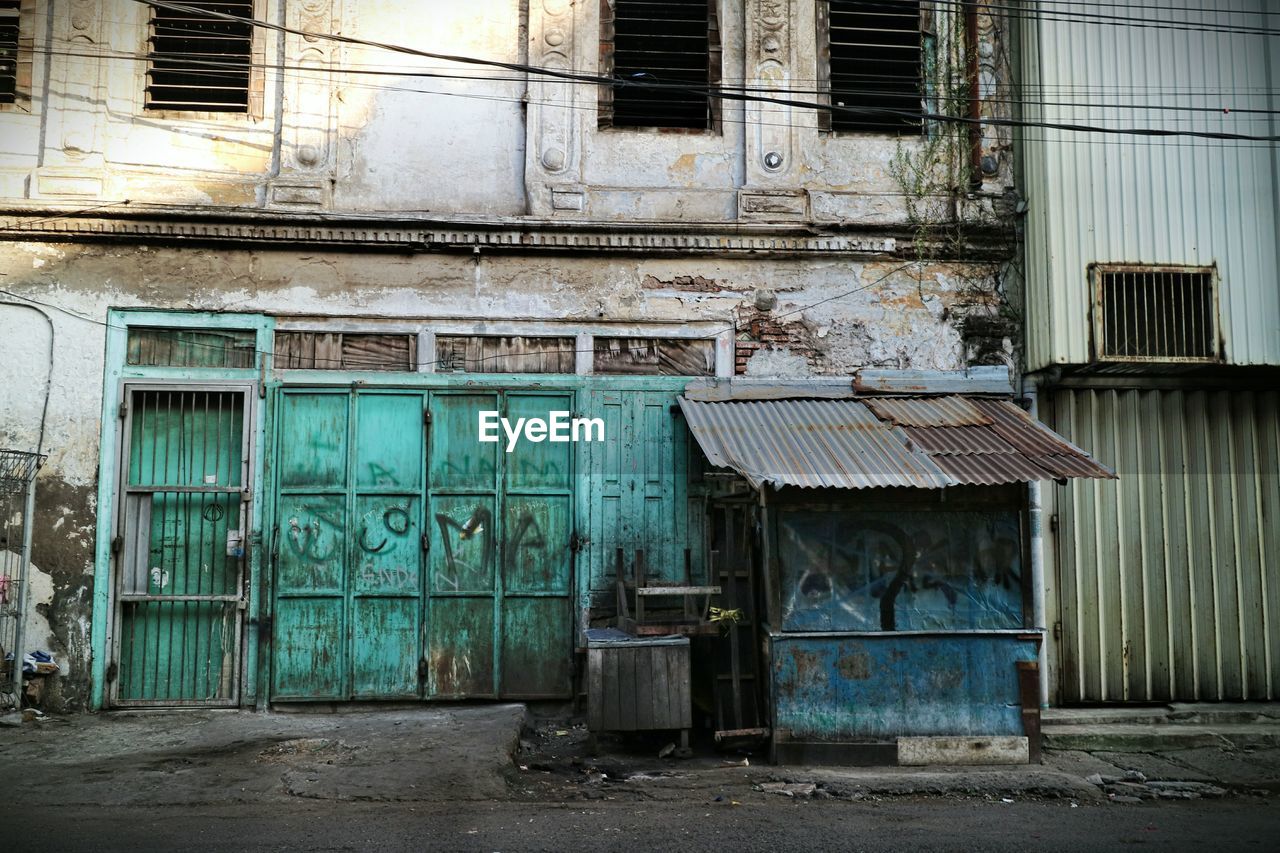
(492, 777)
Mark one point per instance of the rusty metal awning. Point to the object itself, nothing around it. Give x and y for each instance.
(922, 442)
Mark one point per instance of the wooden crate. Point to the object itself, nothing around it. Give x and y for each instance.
(638, 683)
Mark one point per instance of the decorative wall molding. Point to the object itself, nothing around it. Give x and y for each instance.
(554, 134)
(435, 239)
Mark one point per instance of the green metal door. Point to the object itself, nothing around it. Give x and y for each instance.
(179, 547)
(501, 526)
(354, 614)
(347, 618)
(639, 488)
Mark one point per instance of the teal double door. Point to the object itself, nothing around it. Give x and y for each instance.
(410, 559)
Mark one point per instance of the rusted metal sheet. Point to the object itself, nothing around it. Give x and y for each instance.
(810, 444)
(944, 411)
(923, 442)
(832, 688)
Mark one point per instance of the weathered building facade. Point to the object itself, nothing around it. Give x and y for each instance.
(1153, 336)
(285, 273)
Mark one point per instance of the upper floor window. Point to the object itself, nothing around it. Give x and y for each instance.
(871, 65)
(9, 14)
(672, 47)
(198, 61)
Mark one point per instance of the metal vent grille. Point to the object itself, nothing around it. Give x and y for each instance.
(8, 51)
(874, 65)
(668, 43)
(1156, 314)
(200, 62)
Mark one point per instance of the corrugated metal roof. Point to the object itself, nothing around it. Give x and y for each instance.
(809, 443)
(858, 444)
(927, 411)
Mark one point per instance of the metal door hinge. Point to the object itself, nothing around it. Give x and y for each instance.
(426, 541)
(112, 671)
(423, 669)
(123, 411)
(577, 542)
(1053, 522)
(117, 544)
(426, 417)
(1057, 630)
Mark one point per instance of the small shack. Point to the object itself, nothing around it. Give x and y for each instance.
(892, 560)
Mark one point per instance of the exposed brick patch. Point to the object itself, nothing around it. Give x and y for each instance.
(695, 283)
(758, 330)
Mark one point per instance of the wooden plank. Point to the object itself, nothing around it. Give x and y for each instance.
(611, 707)
(659, 688)
(680, 656)
(626, 690)
(642, 692)
(678, 590)
(595, 689)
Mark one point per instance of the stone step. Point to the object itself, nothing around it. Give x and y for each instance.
(1136, 737)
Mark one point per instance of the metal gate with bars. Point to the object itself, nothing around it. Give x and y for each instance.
(179, 546)
(18, 470)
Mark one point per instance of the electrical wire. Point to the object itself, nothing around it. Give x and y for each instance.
(726, 95)
(48, 380)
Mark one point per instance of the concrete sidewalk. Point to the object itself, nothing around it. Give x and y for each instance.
(436, 753)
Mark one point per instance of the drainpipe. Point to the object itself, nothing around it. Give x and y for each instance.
(1036, 519)
(972, 71)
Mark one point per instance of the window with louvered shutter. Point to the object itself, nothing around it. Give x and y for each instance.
(8, 51)
(665, 55)
(198, 61)
(871, 58)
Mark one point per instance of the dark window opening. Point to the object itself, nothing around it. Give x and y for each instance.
(655, 356)
(152, 347)
(672, 47)
(345, 351)
(1157, 315)
(200, 62)
(871, 55)
(935, 570)
(8, 51)
(503, 354)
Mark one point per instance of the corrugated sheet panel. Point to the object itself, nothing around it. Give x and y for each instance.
(1169, 578)
(843, 444)
(1101, 198)
(927, 411)
(809, 443)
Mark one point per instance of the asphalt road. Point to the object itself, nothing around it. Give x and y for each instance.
(785, 825)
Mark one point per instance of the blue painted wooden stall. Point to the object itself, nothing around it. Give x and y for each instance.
(846, 688)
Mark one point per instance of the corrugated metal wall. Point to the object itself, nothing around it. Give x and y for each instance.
(1169, 578)
(1098, 198)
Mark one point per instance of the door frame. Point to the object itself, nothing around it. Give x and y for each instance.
(248, 513)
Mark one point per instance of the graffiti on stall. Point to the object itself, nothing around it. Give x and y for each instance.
(460, 543)
(381, 476)
(872, 573)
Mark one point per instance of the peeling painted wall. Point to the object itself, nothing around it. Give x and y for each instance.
(333, 152)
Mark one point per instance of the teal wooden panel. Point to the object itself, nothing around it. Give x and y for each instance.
(538, 465)
(536, 533)
(187, 553)
(537, 643)
(389, 441)
(460, 643)
(463, 544)
(388, 546)
(384, 647)
(313, 440)
(459, 461)
(308, 650)
(312, 545)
